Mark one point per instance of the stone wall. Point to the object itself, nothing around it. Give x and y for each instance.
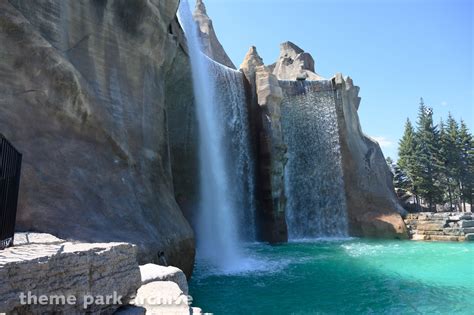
(444, 226)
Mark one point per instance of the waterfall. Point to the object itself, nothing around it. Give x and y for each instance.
(231, 99)
(314, 186)
(226, 206)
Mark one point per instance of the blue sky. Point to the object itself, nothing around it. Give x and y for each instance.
(395, 50)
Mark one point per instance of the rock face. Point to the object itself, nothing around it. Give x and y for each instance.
(211, 45)
(164, 291)
(314, 182)
(83, 94)
(45, 265)
(182, 129)
(152, 272)
(266, 99)
(163, 298)
(97, 95)
(372, 206)
(294, 64)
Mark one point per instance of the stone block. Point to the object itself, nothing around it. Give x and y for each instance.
(467, 223)
(67, 269)
(162, 297)
(420, 237)
(431, 226)
(445, 238)
(469, 237)
(468, 230)
(152, 272)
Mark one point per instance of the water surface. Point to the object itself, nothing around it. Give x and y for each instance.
(342, 277)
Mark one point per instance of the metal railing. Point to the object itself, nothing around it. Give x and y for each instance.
(10, 167)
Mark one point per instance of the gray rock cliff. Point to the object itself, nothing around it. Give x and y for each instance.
(294, 64)
(83, 94)
(372, 206)
(266, 99)
(211, 45)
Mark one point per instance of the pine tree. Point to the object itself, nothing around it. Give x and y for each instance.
(442, 156)
(406, 147)
(407, 160)
(466, 164)
(427, 167)
(448, 159)
(436, 162)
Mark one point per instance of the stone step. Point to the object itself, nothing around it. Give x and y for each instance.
(447, 238)
(453, 231)
(469, 237)
(468, 230)
(430, 227)
(467, 223)
(431, 232)
(420, 237)
(151, 272)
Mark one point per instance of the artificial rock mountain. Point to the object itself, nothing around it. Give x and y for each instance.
(97, 95)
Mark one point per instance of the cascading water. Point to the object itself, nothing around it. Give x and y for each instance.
(230, 95)
(314, 186)
(226, 202)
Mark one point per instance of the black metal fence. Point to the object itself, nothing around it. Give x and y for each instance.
(10, 167)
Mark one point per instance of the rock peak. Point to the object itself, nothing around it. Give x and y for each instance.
(294, 64)
(253, 55)
(289, 49)
(200, 8)
(251, 61)
(211, 45)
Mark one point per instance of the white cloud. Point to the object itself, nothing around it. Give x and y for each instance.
(384, 142)
(444, 103)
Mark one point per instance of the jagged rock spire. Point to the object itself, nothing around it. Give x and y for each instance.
(251, 61)
(200, 8)
(295, 64)
(290, 50)
(211, 45)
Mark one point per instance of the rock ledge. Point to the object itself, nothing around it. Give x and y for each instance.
(43, 265)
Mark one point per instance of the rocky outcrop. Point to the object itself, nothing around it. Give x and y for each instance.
(43, 265)
(445, 226)
(294, 64)
(372, 206)
(83, 87)
(182, 129)
(164, 290)
(152, 272)
(211, 45)
(162, 297)
(270, 147)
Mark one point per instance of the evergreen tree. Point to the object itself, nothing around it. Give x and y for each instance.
(427, 167)
(406, 147)
(448, 159)
(443, 162)
(407, 162)
(466, 164)
(435, 163)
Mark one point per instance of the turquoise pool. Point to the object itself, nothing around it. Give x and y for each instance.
(341, 277)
